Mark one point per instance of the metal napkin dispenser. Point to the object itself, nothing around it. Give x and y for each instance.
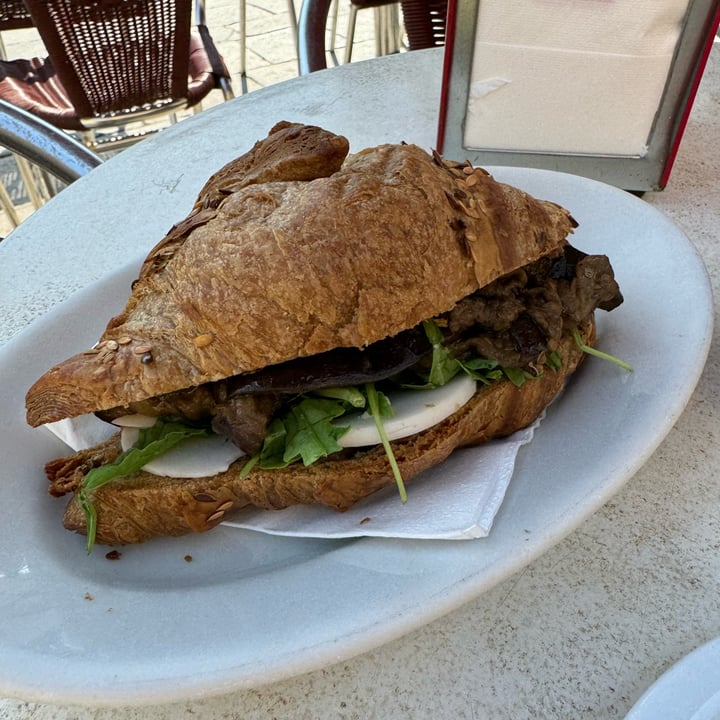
(599, 88)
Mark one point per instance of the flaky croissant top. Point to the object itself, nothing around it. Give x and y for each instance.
(296, 248)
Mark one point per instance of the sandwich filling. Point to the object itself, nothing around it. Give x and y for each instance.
(281, 414)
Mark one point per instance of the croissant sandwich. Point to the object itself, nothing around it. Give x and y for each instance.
(276, 341)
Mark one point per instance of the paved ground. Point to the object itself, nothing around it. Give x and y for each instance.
(271, 58)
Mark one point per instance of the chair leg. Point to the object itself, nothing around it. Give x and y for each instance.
(333, 15)
(350, 33)
(37, 186)
(293, 22)
(88, 138)
(49, 183)
(227, 91)
(380, 45)
(243, 46)
(31, 186)
(389, 29)
(8, 207)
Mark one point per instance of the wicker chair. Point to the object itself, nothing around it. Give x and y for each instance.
(111, 63)
(14, 15)
(424, 20)
(425, 23)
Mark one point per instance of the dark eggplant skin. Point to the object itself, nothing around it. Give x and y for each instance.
(337, 368)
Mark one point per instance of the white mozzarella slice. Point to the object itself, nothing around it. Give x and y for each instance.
(414, 411)
(192, 458)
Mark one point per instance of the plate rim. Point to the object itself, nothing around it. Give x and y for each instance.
(702, 657)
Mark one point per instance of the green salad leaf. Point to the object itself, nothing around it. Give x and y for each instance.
(350, 395)
(152, 443)
(310, 433)
(444, 365)
(599, 353)
(517, 376)
(304, 432)
(483, 370)
(378, 407)
(553, 359)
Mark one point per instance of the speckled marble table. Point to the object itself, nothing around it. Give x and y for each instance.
(580, 632)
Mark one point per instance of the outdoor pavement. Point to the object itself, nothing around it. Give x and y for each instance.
(271, 58)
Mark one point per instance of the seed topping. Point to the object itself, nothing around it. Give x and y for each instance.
(203, 340)
(204, 497)
(216, 516)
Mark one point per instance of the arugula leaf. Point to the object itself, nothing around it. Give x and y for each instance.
(444, 365)
(599, 353)
(310, 434)
(483, 370)
(553, 359)
(384, 406)
(273, 449)
(304, 432)
(350, 395)
(377, 406)
(152, 443)
(517, 376)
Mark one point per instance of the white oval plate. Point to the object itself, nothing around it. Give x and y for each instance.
(689, 690)
(180, 618)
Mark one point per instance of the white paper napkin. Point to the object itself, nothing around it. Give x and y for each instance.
(457, 500)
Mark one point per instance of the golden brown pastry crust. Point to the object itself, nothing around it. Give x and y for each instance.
(143, 506)
(287, 254)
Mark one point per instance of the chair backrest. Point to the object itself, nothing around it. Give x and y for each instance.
(425, 23)
(14, 15)
(44, 145)
(112, 55)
